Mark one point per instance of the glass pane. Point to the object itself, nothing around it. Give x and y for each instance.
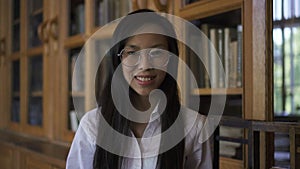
(16, 38)
(35, 112)
(76, 88)
(76, 71)
(287, 6)
(35, 19)
(36, 5)
(36, 74)
(35, 80)
(75, 115)
(77, 17)
(16, 9)
(107, 11)
(16, 76)
(297, 8)
(16, 26)
(277, 5)
(15, 105)
(286, 40)
(15, 110)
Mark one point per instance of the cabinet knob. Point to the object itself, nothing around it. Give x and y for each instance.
(42, 34)
(52, 28)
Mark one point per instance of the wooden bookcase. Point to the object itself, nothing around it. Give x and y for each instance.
(40, 41)
(41, 50)
(251, 99)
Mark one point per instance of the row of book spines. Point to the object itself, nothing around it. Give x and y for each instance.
(228, 44)
(109, 10)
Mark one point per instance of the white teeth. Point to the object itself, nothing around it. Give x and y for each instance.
(143, 79)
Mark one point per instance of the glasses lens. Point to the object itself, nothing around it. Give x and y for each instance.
(130, 57)
(159, 57)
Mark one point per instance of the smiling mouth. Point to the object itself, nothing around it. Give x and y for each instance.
(144, 78)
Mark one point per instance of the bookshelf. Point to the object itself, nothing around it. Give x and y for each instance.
(237, 30)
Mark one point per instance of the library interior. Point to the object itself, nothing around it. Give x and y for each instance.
(258, 46)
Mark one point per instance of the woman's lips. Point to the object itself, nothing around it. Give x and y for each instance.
(144, 79)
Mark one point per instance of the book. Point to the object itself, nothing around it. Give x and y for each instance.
(213, 58)
(195, 63)
(226, 55)
(220, 39)
(73, 120)
(233, 64)
(205, 53)
(239, 55)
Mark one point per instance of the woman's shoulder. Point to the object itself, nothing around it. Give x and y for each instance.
(89, 123)
(194, 123)
(193, 117)
(90, 116)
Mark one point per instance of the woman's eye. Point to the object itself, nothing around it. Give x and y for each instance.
(130, 53)
(156, 53)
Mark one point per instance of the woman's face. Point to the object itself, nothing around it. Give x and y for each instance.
(143, 77)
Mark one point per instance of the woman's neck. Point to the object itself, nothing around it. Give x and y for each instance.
(142, 104)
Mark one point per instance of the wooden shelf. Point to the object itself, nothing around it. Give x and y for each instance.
(219, 91)
(203, 9)
(38, 11)
(77, 94)
(36, 94)
(226, 163)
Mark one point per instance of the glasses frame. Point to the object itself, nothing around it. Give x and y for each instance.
(148, 57)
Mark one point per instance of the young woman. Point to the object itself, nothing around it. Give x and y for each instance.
(143, 53)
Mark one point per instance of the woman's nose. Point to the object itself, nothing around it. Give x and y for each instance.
(144, 61)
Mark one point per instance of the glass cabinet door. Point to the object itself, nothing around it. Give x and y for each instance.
(76, 82)
(15, 102)
(16, 21)
(76, 17)
(35, 18)
(35, 90)
(14, 57)
(34, 69)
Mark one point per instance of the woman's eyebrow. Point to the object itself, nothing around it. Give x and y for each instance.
(138, 47)
(132, 46)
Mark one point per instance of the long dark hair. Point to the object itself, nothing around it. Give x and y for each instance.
(103, 159)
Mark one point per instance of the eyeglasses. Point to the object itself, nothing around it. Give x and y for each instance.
(157, 57)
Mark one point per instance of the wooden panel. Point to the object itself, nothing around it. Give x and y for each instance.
(229, 163)
(54, 167)
(6, 157)
(255, 58)
(34, 163)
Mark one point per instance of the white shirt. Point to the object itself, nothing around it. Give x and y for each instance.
(197, 155)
